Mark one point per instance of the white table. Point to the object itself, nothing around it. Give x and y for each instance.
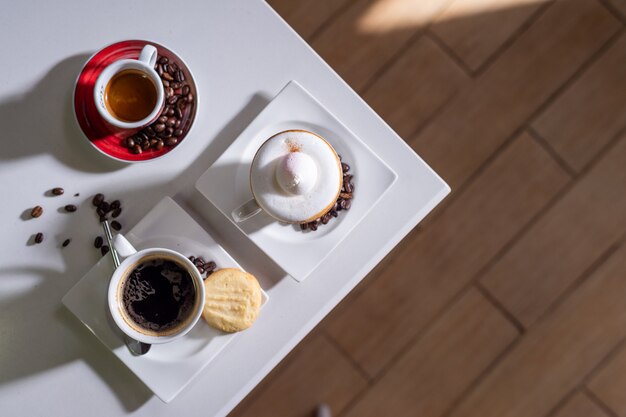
(50, 365)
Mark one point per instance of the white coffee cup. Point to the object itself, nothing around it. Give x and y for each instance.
(145, 63)
(132, 259)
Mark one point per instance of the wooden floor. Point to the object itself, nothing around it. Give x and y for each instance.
(510, 298)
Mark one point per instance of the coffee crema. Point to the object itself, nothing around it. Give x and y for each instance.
(130, 95)
(158, 297)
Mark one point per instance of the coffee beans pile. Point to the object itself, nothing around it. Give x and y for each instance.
(103, 210)
(203, 266)
(167, 129)
(344, 201)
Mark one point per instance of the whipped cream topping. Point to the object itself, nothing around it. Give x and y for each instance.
(295, 176)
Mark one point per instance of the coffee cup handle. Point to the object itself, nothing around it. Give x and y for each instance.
(148, 55)
(245, 211)
(123, 247)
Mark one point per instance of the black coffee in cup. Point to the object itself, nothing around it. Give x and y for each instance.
(158, 297)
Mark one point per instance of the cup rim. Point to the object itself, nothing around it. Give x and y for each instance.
(113, 301)
(120, 67)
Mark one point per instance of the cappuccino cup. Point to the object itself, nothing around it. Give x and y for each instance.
(156, 295)
(295, 177)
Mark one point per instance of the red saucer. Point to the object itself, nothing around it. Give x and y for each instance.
(101, 135)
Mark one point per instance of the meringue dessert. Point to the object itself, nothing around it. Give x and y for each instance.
(296, 176)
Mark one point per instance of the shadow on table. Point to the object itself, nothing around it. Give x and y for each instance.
(42, 121)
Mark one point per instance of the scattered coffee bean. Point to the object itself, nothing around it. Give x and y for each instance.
(210, 265)
(98, 242)
(116, 225)
(105, 207)
(36, 211)
(58, 191)
(116, 213)
(66, 242)
(39, 237)
(104, 250)
(76, 195)
(97, 199)
(115, 204)
(70, 208)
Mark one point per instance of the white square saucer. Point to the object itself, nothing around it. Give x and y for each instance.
(166, 369)
(226, 183)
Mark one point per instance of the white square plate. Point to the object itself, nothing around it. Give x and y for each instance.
(226, 183)
(169, 367)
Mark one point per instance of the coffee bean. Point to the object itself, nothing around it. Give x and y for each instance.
(170, 122)
(165, 83)
(326, 218)
(192, 258)
(102, 218)
(210, 265)
(313, 226)
(339, 156)
(58, 191)
(169, 92)
(100, 212)
(130, 142)
(159, 127)
(200, 269)
(159, 145)
(70, 208)
(347, 186)
(176, 85)
(167, 76)
(36, 211)
(186, 90)
(162, 120)
(163, 60)
(76, 195)
(334, 213)
(39, 237)
(115, 204)
(145, 145)
(136, 149)
(105, 207)
(173, 99)
(178, 132)
(198, 262)
(104, 250)
(170, 111)
(98, 242)
(116, 225)
(345, 204)
(171, 69)
(168, 132)
(166, 67)
(66, 242)
(189, 98)
(143, 136)
(171, 142)
(181, 75)
(178, 113)
(182, 104)
(345, 167)
(177, 124)
(97, 199)
(116, 213)
(150, 132)
(345, 196)
(159, 70)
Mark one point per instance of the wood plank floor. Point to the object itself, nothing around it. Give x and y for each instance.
(510, 298)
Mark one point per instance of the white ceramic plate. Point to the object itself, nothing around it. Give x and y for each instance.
(169, 367)
(226, 183)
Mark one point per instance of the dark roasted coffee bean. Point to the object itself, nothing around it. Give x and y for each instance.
(145, 145)
(177, 124)
(326, 218)
(130, 142)
(173, 99)
(169, 92)
(116, 213)
(162, 120)
(345, 196)
(345, 167)
(105, 207)
(143, 136)
(70, 208)
(98, 242)
(211, 265)
(159, 70)
(36, 211)
(171, 69)
(165, 83)
(167, 76)
(334, 213)
(76, 195)
(159, 145)
(39, 237)
(150, 132)
(169, 112)
(345, 204)
(160, 127)
(198, 262)
(313, 226)
(136, 149)
(171, 142)
(104, 250)
(182, 104)
(181, 75)
(97, 199)
(200, 269)
(178, 132)
(153, 143)
(66, 242)
(116, 225)
(163, 60)
(58, 191)
(347, 187)
(100, 212)
(166, 67)
(115, 204)
(176, 85)
(170, 122)
(178, 113)
(102, 218)
(189, 98)
(304, 226)
(186, 90)
(168, 132)
(177, 76)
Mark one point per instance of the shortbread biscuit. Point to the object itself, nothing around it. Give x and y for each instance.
(232, 299)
